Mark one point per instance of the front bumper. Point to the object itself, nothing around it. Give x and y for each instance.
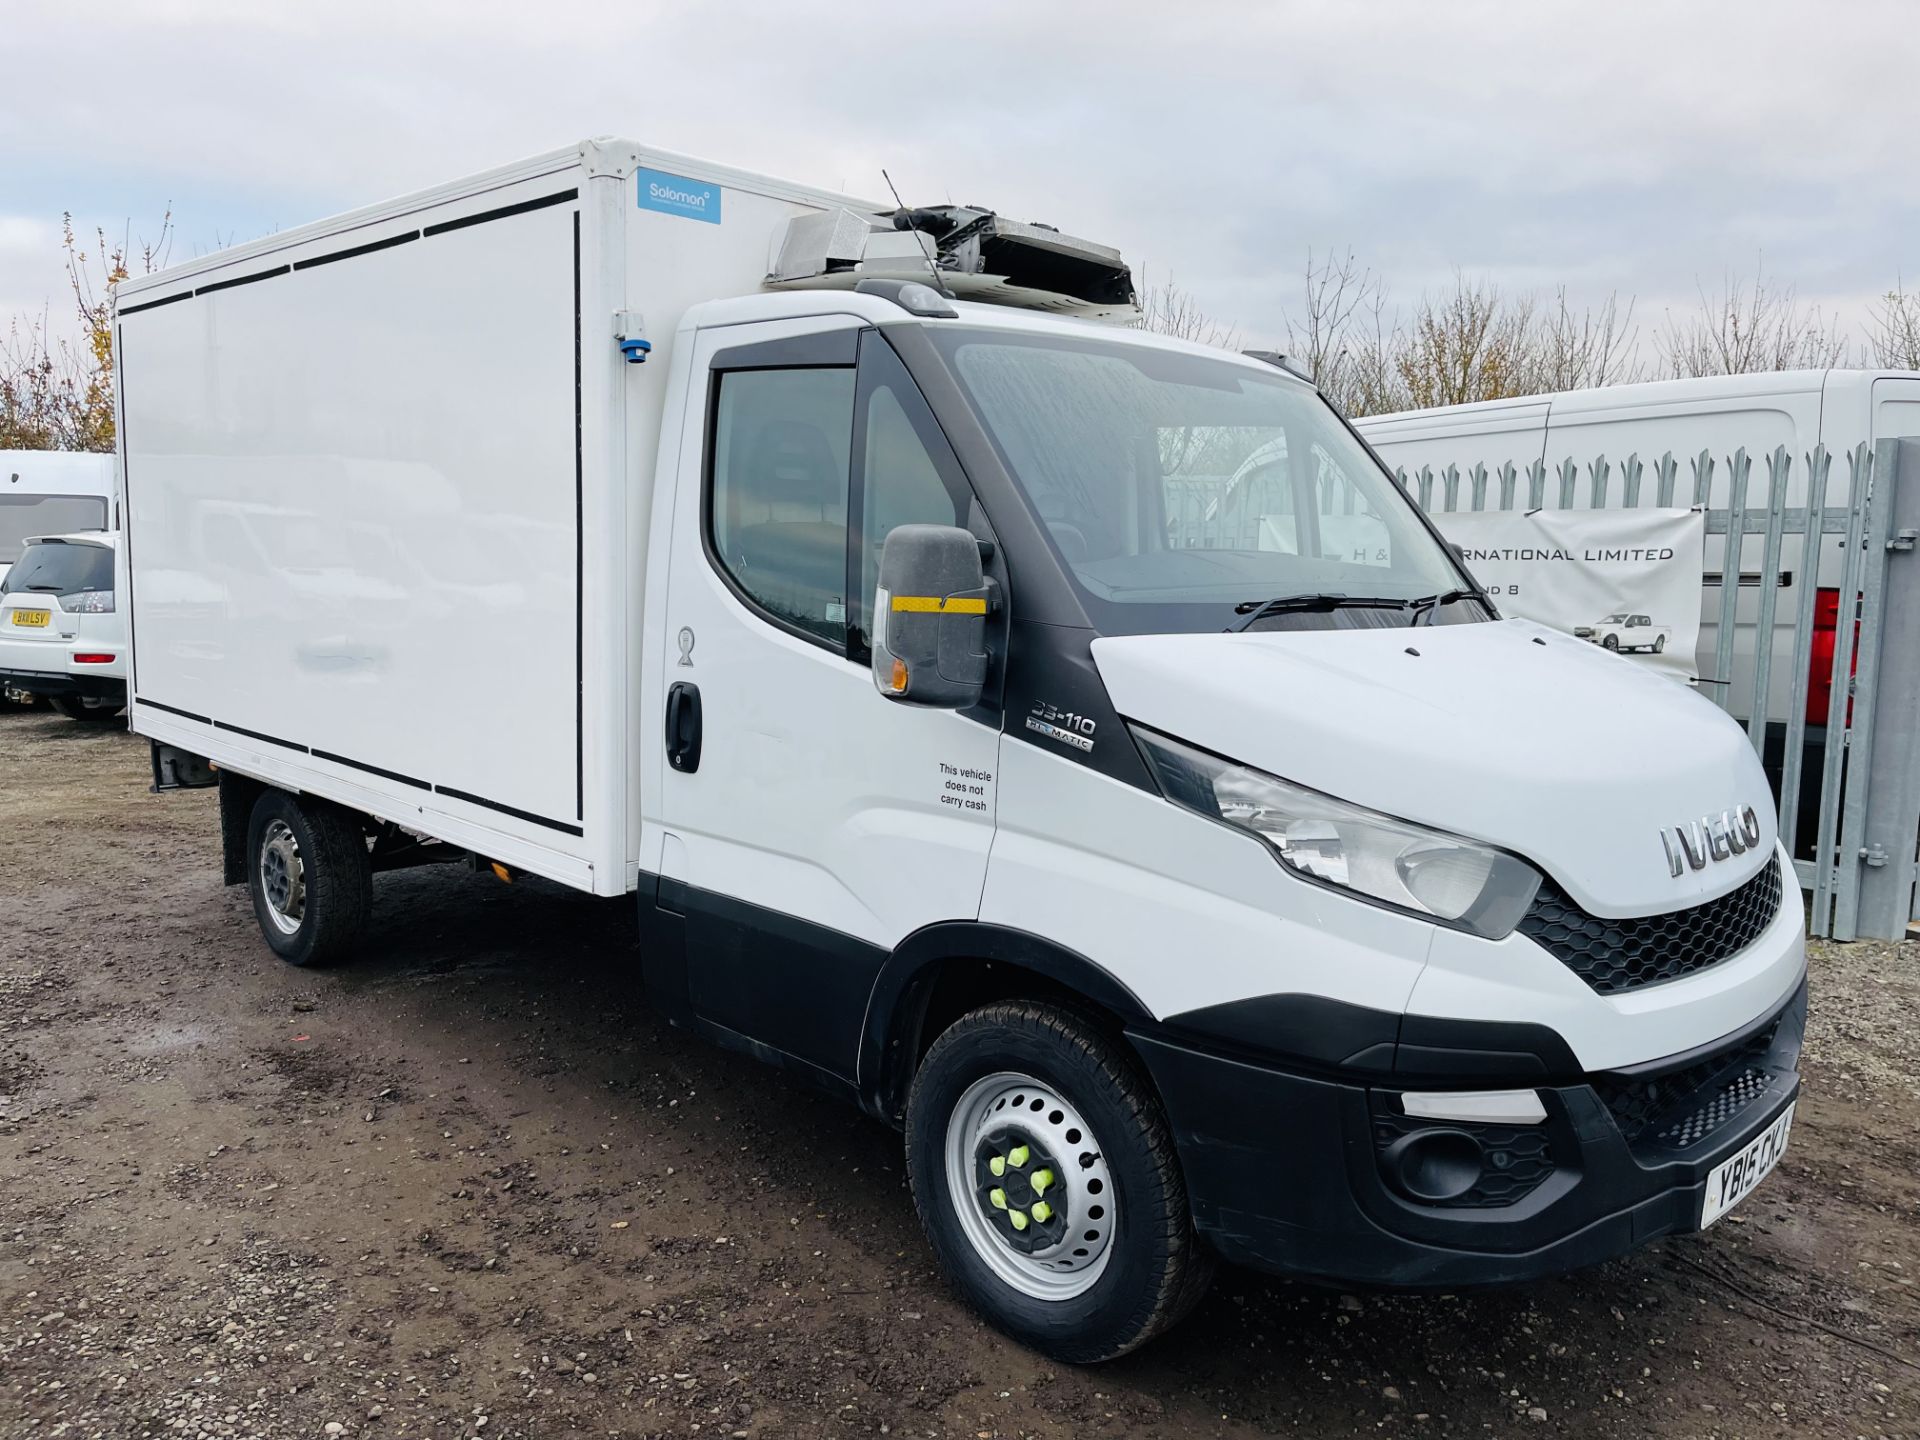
(1290, 1171)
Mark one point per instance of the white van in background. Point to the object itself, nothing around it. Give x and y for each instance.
(52, 492)
(1721, 414)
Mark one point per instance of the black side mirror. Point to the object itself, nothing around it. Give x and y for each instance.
(930, 618)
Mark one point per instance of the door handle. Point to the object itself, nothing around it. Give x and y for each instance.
(683, 726)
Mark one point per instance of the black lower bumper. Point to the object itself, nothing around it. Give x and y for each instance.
(49, 683)
(1306, 1174)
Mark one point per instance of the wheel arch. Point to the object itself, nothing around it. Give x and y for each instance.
(941, 971)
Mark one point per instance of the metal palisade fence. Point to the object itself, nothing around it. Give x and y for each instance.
(1810, 635)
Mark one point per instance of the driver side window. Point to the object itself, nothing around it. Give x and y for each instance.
(778, 493)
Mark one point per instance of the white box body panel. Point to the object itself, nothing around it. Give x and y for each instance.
(388, 481)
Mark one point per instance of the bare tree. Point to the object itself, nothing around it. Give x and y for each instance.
(1582, 351)
(1166, 309)
(1344, 337)
(1371, 382)
(1470, 343)
(1336, 292)
(1749, 328)
(1893, 329)
(56, 392)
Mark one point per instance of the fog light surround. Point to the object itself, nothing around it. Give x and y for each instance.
(1435, 1166)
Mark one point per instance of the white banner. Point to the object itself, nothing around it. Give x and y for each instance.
(1625, 579)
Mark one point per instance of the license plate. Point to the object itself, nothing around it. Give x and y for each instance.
(32, 617)
(1734, 1178)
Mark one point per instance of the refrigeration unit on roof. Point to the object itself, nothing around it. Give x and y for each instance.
(977, 255)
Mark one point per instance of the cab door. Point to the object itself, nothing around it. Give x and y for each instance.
(810, 824)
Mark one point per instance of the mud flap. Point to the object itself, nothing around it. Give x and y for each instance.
(237, 794)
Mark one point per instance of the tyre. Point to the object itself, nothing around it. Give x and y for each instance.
(311, 877)
(1045, 1174)
(1659, 644)
(91, 712)
(1612, 642)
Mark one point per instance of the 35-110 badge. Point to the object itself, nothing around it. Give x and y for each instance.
(1062, 725)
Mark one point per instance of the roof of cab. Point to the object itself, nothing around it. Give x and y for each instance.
(881, 310)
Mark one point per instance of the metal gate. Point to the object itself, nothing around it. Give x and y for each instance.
(1848, 775)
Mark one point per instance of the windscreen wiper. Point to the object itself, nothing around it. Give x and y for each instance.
(1256, 610)
(1424, 607)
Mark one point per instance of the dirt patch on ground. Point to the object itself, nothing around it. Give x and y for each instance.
(472, 1187)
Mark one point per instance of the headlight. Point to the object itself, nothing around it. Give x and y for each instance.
(1442, 877)
(88, 602)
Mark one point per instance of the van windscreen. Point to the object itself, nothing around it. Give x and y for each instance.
(1181, 491)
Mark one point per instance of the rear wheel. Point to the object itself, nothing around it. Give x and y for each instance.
(1045, 1174)
(1659, 643)
(311, 878)
(94, 712)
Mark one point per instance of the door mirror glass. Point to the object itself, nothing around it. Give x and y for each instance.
(930, 618)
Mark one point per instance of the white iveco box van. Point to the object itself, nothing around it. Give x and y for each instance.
(1178, 899)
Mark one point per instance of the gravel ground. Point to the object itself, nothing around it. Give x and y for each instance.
(471, 1187)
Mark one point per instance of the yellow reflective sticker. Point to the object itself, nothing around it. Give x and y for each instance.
(941, 604)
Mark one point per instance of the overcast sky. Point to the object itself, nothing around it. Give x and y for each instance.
(1644, 148)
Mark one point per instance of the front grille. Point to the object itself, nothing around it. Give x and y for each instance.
(1684, 1107)
(1738, 1093)
(1616, 955)
(1517, 1158)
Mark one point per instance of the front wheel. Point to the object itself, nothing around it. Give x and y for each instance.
(1612, 642)
(1045, 1175)
(311, 877)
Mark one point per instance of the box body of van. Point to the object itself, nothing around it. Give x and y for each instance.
(1182, 890)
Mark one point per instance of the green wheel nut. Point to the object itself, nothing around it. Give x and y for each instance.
(1041, 1180)
(1042, 1211)
(998, 1199)
(998, 1165)
(1019, 1218)
(1019, 1156)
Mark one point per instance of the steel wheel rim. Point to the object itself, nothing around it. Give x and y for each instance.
(283, 877)
(1066, 1253)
